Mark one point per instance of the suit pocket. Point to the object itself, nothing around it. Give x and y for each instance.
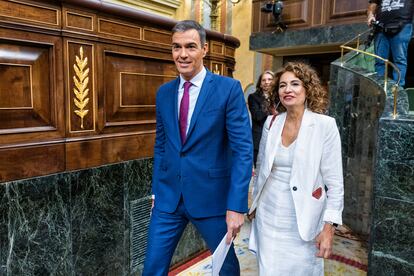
(216, 173)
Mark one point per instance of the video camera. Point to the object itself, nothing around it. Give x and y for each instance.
(276, 8)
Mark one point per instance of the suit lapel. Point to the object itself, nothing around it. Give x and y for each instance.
(174, 116)
(205, 91)
(301, 149)
(273, 139)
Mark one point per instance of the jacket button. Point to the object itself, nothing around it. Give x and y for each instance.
(294, 188)
(182, 154)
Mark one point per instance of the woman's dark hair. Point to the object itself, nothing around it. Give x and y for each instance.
(186, 25)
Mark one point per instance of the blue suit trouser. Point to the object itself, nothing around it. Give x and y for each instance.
(165, 230)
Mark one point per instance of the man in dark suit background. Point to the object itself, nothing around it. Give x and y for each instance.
(202, 155)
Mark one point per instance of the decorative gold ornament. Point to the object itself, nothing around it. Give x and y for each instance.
(81, 81)
(216, 69)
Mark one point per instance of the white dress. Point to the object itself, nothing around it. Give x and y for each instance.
(281, 251)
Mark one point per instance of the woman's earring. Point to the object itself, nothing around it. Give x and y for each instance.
(306, 103)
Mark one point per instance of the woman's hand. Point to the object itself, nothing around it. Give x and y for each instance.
(324, 241)
(252, 215)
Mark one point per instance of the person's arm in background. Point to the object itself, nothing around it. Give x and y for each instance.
(372, 7)
(240, 140)
(332, 177)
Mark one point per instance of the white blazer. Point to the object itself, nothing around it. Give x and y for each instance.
(317, 162)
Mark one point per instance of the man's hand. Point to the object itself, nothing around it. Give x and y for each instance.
(234, 222)
(372, 7)
(324, 241)
(371, 18)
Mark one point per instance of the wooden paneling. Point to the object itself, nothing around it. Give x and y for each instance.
(31, 161)
(296, 13)
(29, 13)
(299, 14)
(216, 48)
(78, 20)
(230, 52)
(118, 29)
(345, 10)
(130, 84)
(151, 35)
(82, 93)
(86, 154)
(28, 90)
(16, 91)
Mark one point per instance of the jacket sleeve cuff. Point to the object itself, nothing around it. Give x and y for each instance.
(333, 216)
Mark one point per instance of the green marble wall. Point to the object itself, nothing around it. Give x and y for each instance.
(76, 223)
(378, 150)
(392, 236)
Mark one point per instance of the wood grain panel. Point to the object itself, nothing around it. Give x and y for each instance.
(229, 52)
(158, 37)
(296, 12)
(86, 154)
(216, 48)
(132, 89)
(76, 20)
(130, 85)
(18, 163)
(25, 93)
(119, 29)
(345, 10)
(75, 122)
(16, 91)
(31, 13)
(346, 7)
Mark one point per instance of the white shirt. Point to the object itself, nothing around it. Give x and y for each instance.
(195, 88)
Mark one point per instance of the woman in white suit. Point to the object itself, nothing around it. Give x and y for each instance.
(298, 189)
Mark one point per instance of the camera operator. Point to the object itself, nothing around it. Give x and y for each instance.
(395, 20)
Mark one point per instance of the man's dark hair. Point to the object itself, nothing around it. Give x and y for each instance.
(186, 25)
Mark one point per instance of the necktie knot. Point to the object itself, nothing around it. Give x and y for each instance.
(187, 86)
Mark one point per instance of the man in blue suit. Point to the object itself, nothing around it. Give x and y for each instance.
(202, 155)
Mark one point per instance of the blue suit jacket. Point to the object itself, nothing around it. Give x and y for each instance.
(212, 169)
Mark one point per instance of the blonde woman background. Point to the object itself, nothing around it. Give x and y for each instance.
(258, 107)
(298, 189)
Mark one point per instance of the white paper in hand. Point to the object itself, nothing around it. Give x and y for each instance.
(219, 255)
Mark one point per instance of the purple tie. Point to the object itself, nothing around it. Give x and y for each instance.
(185, 103)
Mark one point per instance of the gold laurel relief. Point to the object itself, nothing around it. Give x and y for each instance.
(81, 89)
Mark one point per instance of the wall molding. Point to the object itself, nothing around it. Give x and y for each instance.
(161, 7)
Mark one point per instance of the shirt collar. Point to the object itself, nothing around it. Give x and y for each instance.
(197, 80)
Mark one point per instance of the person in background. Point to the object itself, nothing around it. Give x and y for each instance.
(394, 19)
(259, 107)
(203, 156)
(298, 192)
